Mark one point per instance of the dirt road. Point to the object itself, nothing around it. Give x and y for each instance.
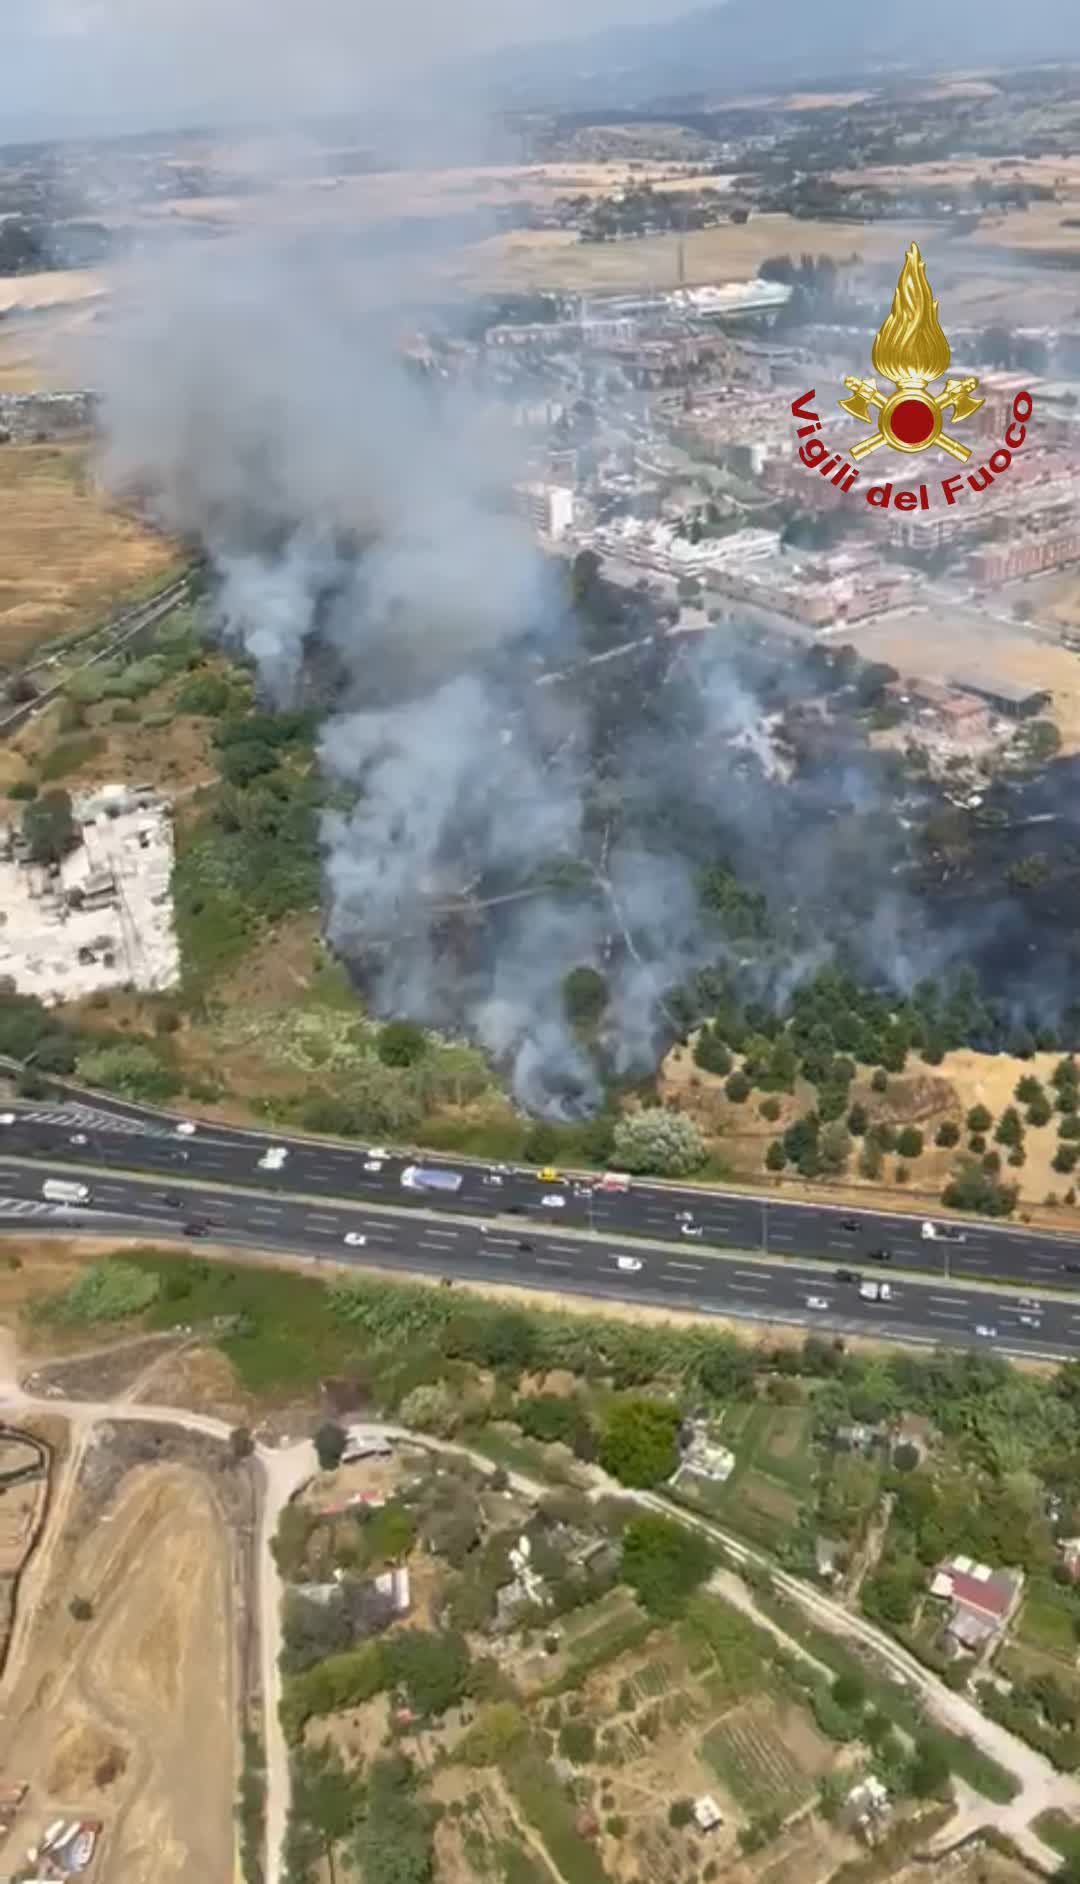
(286, 1468)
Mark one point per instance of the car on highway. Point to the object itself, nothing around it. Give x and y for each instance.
(170, 1198)
(684, 1216)
(942, 1233)
(1071, 1269)
(851, 1224)
(378, 1151)
(816, 1301)
(78, 1138)
(582, 1190)
(630, 1263)
(553, 1201)
(848, 1275)
(525, 1245)
(186, 1129)
(273, 1158)
(515, 1210)
(493, 1179)
(355, 1239)
(7, 1118)
(373, 1164)
(983, 1328)
(880, 1255)
(692, 1229)
(1029, 1321)
(549, 1175)
(195, 1229)
(1029, 1301)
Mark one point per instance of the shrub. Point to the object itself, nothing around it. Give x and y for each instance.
(109, 1291)
(401, 1043)
(909, 1143)
(577, 1741)
(710, 1053)
(660, 1141)
(879, 1080)
(979, 1119)
(947, 1134)
(737, 1088)
(638, 1445)
(857, 1121)
(770, 1109)
(680, 1812)
(775, 1157)
(330, 1440)
(663, 1562)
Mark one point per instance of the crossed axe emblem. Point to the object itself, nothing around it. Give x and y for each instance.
(956, 393)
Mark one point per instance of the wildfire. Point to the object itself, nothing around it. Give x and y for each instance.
(910, 347)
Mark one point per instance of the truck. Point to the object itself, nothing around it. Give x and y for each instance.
(614, 1181)
(422, 1177)
(64, 1191)
(875, 1292)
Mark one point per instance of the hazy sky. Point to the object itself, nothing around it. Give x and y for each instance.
(73, 61)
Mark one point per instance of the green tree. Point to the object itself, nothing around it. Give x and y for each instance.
(858, 1120)
(326, 1805)
(330, 1440)
(947, 1134)
(775, 1157)
(929, 1773)
(585, 996)
(663, 1563)
(638, 1446)
(737, 1088)
(879, 1079)
(394, 1844)
(979, 1119)
(909, 1143)
(401, 1043)
(431, 1670)
(661, 1141)
(49, 827)
(1010, 1130)
(710, 1053)
(577, 1741)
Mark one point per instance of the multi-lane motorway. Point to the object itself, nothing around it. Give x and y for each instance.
(755, 1258)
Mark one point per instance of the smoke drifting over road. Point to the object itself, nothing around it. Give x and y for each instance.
(501, 832)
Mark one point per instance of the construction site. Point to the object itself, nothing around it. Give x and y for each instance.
(102, 916)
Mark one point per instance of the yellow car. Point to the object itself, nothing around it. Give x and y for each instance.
(550, 1176)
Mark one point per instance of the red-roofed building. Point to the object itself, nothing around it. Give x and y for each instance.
(982, 1601)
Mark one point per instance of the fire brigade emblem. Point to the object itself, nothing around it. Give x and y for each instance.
(911, 351)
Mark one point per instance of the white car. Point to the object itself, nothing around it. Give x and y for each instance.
(987, 1332)
(816, 1301)
(942, 1233)
(684, 1216)
(7, 1118)
(500, 1170)
(273, 1158)
(373, 1164)
(553, 1201)
(1029, 1301)
(378, 1151)
(630, 1263)
(692, 1229)
(185, 1129)
(355, 1239)
(1029, 1321)
(78, 1138)
(493, 1181)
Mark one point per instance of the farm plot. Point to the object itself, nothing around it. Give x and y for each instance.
(773, 1477)
(1048, 1620)
(751, 1758)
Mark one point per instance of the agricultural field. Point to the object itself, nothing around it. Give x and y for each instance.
(67, 558)
(124, 1712)
(751, 1753)
(773, 1481)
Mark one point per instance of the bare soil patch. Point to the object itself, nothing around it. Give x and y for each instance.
(129, 1716)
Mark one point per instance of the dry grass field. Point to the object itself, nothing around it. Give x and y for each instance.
(57, 288)
(556, 259)
(128, 1717)
(66, 558)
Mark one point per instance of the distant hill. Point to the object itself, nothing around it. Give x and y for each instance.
(720, 48)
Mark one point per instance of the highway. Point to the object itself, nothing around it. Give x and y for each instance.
(131, 1138)
(429, 1241)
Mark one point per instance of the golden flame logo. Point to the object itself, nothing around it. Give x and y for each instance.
(910, 349)
(910, 344)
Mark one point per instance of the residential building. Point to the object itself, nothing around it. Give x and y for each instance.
(549, 507)
(981, 1600)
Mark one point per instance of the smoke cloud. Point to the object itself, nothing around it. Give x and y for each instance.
(501, 832)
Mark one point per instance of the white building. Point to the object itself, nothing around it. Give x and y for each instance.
(550, 508)
(657, 547)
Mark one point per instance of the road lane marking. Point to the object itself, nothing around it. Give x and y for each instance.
(551, 1262)
(696, 1267)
